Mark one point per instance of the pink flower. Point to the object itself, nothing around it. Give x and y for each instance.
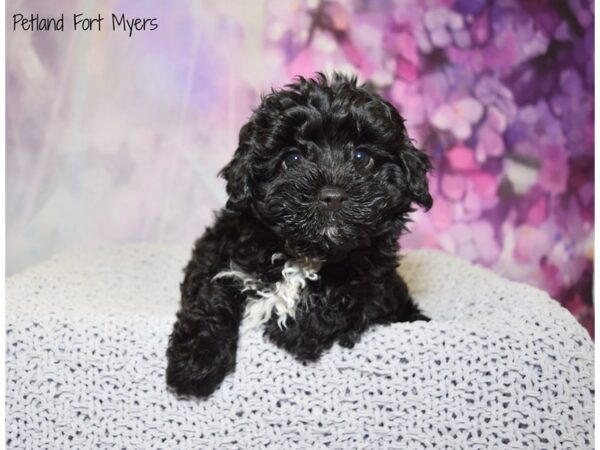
(453, 186)
(461, 158)
(485, 185)
(538, 213)
(485, 241)
(482, 189)
(422, 232)
(532, 243)
(404, 46)
(441, 214)
(480, 28)
(458, 117)
(502, 51)
(445, 26)
(410, 102)
(490, 143)
(406, 70)
(554, 173)
(475, 241)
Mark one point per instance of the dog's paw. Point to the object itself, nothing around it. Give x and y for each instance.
(194, 383)
(347, 343)
(348, 340)
(198, 375)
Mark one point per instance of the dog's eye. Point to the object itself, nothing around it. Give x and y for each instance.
(362, 158)
(291, 159)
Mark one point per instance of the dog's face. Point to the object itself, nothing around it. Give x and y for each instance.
(328, 166)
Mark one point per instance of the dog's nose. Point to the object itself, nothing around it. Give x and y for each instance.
(332, 197)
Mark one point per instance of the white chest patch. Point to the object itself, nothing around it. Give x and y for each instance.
(281, 297)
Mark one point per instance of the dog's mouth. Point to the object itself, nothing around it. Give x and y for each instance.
(323, 250)
(330, 244)
(333, 238)
(317, 232)
(332, 233)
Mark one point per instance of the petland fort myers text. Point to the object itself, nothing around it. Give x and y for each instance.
(82, 22)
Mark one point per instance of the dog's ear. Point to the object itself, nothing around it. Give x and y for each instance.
(416, 165)
(238, 173)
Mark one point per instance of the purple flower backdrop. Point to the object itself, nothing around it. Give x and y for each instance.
(499, 93)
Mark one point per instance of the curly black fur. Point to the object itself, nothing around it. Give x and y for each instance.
(311, 134)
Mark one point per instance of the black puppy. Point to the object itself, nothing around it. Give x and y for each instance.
(319, 191)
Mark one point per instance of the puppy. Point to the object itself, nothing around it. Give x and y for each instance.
(319, 188)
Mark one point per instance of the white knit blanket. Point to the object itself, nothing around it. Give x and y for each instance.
(500, 366)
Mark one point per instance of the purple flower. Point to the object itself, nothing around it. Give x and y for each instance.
(469, 7)
(574, 107)
(536, 79)
(446, 27)
(491, 92)
(535, 127)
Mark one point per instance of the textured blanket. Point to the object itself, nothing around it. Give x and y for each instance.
(501, 365)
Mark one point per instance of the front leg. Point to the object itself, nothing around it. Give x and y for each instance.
(203, 345)
(305, 338)
(332, 317)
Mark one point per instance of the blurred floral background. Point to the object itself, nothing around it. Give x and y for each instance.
(113, 138)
